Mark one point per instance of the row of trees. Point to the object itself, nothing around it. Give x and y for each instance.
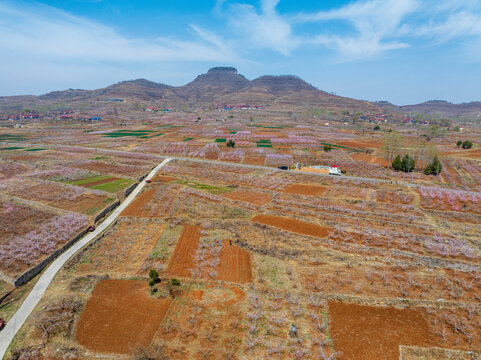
(421, 155)
(464, 144)
(407, 164)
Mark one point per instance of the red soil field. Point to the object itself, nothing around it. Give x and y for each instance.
(99, 182)
(292, 225)
(135, 208)
(254, 160)
(361, 143)
(163, 179)
(120, 316)
(251, 197)
(235, 264)
(366, 333)
(302, 189)
(182, 258)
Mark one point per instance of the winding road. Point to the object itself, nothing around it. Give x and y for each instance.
(16, 322)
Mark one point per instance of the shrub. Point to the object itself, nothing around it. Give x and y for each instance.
(231, 143)
(434, 168)
(327, 148)
(153, 275)
(151, 282)
(467, 144)
(377, 127)
(175, 282)
(459, 143)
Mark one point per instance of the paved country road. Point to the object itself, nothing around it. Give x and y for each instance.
(403, 182)
(16, 322)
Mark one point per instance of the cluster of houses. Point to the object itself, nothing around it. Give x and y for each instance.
(63, 115)
(158, 109)
(231, 107)
(20, 116)
(73, 116)
(384, 118)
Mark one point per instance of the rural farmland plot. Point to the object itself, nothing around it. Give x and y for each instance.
(235, 260)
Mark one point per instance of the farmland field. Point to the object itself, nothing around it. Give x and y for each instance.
(224, 250)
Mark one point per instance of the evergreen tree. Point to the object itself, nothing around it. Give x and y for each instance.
(434, 168)
(407, 163)
(396, 164)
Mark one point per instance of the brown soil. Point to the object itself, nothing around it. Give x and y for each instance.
(182, 258)
(99, 182)
(120, 316)
(302, 189)
(369, 158)
(130, 243)
(254, 160)
(251, 197)
(313, 170)
(212, 156)
(235, 264)
(163, 179)
(364, 332)
(292, 225)
(361, 143)
(135, 208)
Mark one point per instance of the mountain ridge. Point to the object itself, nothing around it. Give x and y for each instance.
(222, 85)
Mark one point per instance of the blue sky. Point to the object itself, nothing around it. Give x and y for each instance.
(403, 51)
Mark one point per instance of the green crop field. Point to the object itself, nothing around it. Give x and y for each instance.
(8, 137)
(123, 133)
(114, 186)
(90, 179)
(35, 149)
(13, 148)
(210, 188)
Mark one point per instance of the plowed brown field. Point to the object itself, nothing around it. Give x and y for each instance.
(292, 225)
(120, 316)
(254, 160)
(182, 258)
(235, 264)
(303, 189)
(251, 197)
(135, 208)
(163, 179)
(366, 333)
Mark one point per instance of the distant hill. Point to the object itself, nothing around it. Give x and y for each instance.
(437, 108)
(220, 85)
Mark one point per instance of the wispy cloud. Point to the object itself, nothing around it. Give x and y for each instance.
(46, 32)
(382, 25)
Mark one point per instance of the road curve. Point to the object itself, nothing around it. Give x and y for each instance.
(16, 322)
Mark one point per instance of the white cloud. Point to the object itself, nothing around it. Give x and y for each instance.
(47, 33)
(264, 29)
